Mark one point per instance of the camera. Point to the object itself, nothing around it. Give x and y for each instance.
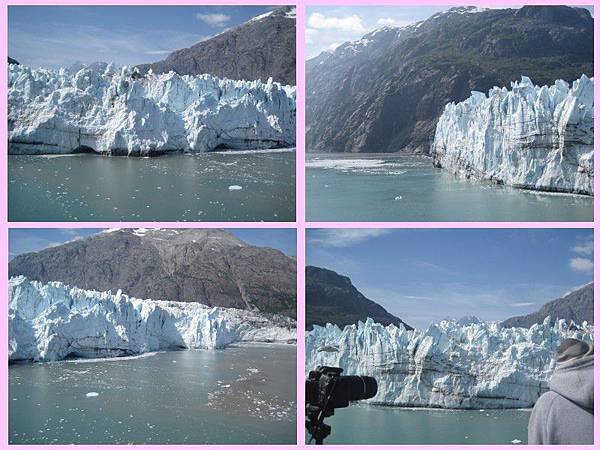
(327, 389)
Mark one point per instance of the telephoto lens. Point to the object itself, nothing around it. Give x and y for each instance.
(349, 388)
(327, 389)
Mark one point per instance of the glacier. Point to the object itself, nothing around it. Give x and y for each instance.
(447, 365)
(53, 321)
(530, 137)
(120, 112)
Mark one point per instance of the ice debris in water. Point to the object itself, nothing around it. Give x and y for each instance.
(92, 394)
(235, 187)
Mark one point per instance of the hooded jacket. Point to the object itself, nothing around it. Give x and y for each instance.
(565, 414)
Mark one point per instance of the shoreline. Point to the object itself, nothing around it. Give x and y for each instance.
(240, 344)
(164, 153)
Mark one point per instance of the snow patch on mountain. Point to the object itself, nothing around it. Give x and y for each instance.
(530, 137)
(53, 321)
(448, 365)
(119, 111)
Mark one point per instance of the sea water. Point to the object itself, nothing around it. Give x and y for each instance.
(377, 187)
(224, 186)
(365, 424)
(243, 394)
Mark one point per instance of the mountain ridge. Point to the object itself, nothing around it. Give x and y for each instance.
(211, 267)
(332, 298)
(385, 92)
(263, 47)
(576, 305)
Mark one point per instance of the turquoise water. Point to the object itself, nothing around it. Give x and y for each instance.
(364, 424)
(231, 186)
(238, 395)
(375, 187)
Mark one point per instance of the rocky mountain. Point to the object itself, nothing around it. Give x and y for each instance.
(261, 48)
(207, 266)
(332, 298)
(12, 61)
(386, 91)
(576, 306)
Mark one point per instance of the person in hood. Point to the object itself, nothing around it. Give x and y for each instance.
(565, 414)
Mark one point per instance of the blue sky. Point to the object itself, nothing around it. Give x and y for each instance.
(54, 36)
(329, 26)
(425, 275)
(24, 240)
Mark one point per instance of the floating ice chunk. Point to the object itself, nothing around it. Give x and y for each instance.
(515, 441)
(92, 394)
(235, 187)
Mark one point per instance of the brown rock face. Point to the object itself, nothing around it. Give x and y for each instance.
(194, 265)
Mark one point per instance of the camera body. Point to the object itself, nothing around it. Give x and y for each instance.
(327, 389)
(320, 387)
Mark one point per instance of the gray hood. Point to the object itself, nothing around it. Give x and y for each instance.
(574, 380)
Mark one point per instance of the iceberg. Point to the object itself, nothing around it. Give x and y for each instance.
(530, 137)
(53, 321)
(447, 365)
(120, 112)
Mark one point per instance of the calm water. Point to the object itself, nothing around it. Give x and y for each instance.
(363, 424)
(408, 188)
(165, 188)
(239, 395)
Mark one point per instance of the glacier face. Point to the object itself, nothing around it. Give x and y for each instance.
(448, 365)
(118, 111)
(52, 321)
(530, 137)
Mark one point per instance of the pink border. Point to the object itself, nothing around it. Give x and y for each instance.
(300, 223)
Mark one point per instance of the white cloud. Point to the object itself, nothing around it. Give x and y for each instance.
(345, 237)
(585, 247)
(333, 46)
(157, 52)
(522, 304)
(582, 265)
(349, 23)
(387, 21)
(216, 20)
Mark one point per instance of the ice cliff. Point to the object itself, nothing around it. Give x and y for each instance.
(529, 137)
(448, 365)
(119, 111)
(52, 321)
